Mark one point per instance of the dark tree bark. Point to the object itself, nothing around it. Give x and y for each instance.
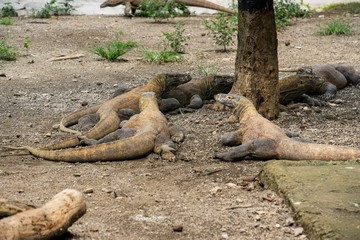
(256, 67)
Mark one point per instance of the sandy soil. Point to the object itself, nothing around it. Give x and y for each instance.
(146, 198)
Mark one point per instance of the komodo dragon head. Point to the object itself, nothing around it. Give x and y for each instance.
(169, 81)
(294, 86)
(218, 84)
(230, 100)
(111, 3)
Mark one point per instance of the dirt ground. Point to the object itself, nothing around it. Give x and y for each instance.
(146, 198)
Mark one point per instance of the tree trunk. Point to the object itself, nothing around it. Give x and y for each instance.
(256, 67)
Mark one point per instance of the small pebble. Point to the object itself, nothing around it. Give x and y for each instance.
(84, 103)
(216, 191)
(106, 190)
(89, 190)
(48, 135)
(30, 125)
(77, 175)
(178, 228)
(298, 231)
(289, 221)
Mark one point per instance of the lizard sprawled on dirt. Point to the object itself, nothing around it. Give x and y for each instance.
(192, 93)
(108, 111)
(132, 5)
(336, 77)
(261, 139)
(144, 133)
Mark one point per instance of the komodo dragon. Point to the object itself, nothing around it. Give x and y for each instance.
(336, 77)
(192, 93)
(132, 5)
(109, 119)
(261, 139)
(145, 133)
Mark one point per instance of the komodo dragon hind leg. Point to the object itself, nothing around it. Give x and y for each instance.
(113, 136)
(231, 138)
(86, 122)
(352, 78)
(195, 102)
(165, 147)
(177, 133)
(262, 148)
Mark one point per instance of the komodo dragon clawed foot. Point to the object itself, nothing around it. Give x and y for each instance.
(177, 133)
(262, 148)
(165, 147)
(261, 139)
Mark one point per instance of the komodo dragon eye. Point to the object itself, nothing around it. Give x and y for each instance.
(311, 77)
(229, 97)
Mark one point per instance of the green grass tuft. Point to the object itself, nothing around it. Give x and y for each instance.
(337, 27)
(7, 52)
(161, 56)
(351, 7)
(6, 21)
(113, 50)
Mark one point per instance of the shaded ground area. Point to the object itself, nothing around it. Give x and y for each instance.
(324, 196)
(145, 198)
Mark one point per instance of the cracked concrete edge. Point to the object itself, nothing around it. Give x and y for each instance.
(273, 175)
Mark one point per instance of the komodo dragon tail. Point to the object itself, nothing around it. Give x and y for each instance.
(73, 118)
(130, 148)
(205, 4)
(294, 150)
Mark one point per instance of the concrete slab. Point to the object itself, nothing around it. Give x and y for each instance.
(325, 196)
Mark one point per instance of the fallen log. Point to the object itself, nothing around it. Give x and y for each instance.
(51, 220)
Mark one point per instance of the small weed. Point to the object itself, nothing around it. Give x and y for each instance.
(158, 10)
(222, 29)
(176, 39)
(337, 27)
(287, 9)
(207, 70)
(161, 56)
(54, 8)
(6, 21)
(8, 10)
(113, 50)
(7, 52)
(27, 44)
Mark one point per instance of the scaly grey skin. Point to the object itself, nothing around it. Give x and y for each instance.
(261, 139)
(87, 122)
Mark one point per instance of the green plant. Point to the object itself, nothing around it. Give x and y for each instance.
(6, 21)
(27, 43)
(7, 52)
(8, 10)
(54, 8)
(159, 10)
(161, 56)
(287, 9)
(222, 29)
(176, 39)
(113, 50)
(337, 27)
(207, 70)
